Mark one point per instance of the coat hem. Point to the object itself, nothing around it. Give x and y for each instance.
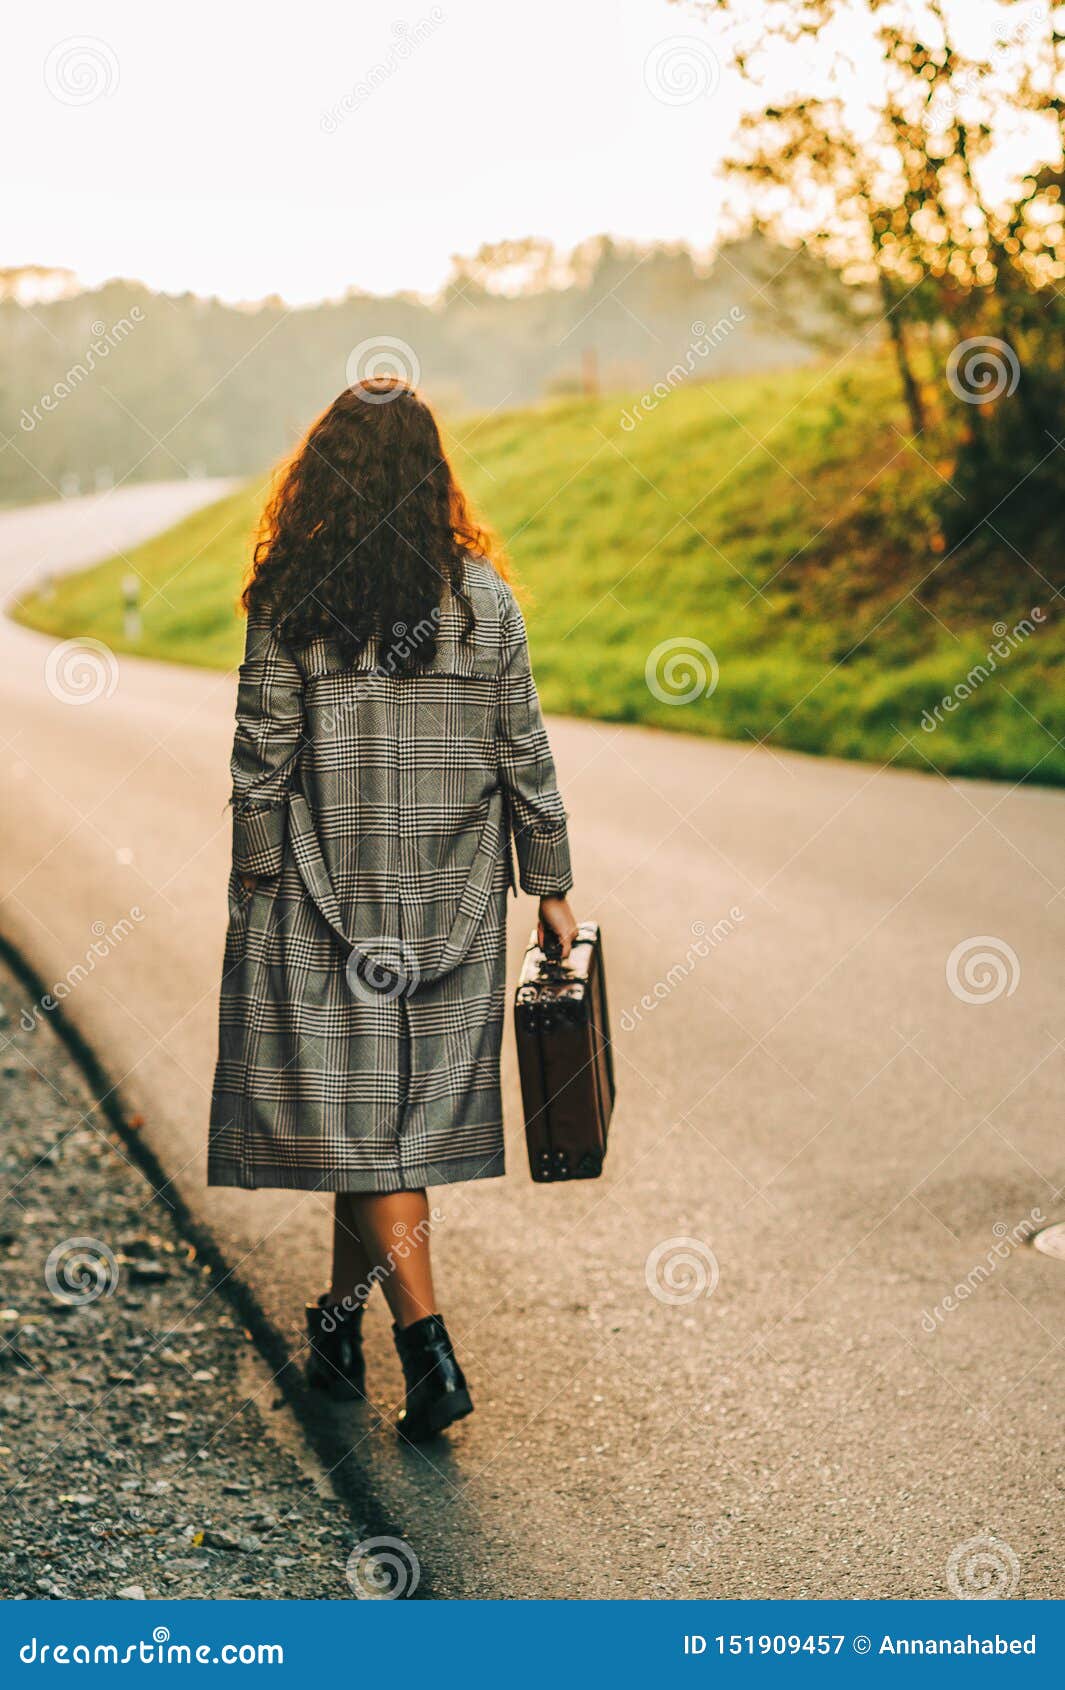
(380, 1181)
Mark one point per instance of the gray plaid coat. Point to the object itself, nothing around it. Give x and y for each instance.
(363, 984)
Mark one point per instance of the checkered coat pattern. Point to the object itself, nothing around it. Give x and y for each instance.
(363, 985)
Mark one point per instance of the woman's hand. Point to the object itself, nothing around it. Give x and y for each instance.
(249, 882)
(556, 917)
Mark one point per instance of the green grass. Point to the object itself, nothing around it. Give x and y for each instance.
(782, 521)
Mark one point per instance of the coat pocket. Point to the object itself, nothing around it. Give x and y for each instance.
(240, 900)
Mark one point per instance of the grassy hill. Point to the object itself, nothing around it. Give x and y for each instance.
(783, 522)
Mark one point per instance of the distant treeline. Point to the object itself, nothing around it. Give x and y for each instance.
(123, 383)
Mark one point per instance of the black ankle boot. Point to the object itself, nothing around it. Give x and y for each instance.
(436, 1387)
(334, 1358)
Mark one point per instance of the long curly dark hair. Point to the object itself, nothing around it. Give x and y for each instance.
(367, 531)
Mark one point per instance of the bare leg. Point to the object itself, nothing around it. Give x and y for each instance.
(351, 1264)
(394, 1229)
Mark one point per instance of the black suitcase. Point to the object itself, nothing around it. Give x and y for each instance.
(564, 1057)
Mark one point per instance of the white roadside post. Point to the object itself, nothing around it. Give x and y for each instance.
(131, 607)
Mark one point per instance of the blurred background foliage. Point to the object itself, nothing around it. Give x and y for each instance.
(221, 389)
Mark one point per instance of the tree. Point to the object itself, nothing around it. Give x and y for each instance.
(933, 172)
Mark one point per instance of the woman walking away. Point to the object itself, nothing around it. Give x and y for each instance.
(389, 745)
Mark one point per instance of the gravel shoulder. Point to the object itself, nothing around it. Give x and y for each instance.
(145, 1449)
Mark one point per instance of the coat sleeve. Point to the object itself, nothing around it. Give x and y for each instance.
(527, 770)
(267, 742)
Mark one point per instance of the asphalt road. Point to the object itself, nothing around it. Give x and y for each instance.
(844, 1139)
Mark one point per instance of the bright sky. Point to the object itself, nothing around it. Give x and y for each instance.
(229, 149)
(253, 149)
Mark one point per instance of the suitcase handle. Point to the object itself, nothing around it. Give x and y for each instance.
(552, 946)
